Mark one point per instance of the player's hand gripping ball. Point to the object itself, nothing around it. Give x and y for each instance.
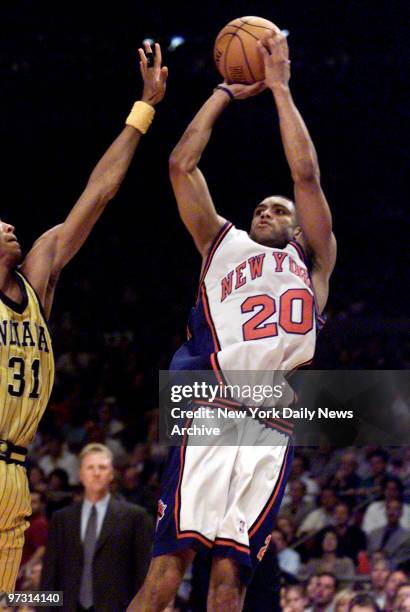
(236, 53)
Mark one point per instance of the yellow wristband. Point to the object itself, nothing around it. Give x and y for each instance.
(141, 116)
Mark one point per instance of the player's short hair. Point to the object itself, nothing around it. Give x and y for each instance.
(95, 447)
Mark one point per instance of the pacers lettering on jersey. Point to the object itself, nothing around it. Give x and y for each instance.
(253, 268)
(23, 333)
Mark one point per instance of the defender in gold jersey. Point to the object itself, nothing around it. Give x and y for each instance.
(26, 295)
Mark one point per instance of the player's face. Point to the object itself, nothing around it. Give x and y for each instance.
(96, 473)
(10, 250)
(274, 222)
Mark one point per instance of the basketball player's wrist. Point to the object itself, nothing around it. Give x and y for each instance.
(141, 116)
(224, 93)
(279, 88)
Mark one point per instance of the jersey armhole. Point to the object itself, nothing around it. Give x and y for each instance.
(213, 248)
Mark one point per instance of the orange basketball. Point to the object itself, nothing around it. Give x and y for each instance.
(235, 52)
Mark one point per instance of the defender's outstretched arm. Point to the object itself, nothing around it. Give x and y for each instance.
(54, 249)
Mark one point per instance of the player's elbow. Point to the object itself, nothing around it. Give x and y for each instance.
(306, 171)
(178, 164)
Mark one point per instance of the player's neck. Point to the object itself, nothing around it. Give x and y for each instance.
(8, 283)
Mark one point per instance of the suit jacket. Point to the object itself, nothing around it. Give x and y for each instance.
(397, 547)
(121, 557)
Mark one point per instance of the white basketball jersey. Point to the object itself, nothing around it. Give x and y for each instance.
(255, 309)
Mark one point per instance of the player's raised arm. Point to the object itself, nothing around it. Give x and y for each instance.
(191, 190)
(54, 249)
(312, 208)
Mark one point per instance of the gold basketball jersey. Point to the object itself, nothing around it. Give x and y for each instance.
(26, 365)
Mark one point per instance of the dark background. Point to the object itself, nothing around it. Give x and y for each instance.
(69, 77)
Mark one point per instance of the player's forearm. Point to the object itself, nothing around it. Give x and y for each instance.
(188, 151)
(112, 167)
(299, 149)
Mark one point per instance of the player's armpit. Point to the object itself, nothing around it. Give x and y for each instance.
(195, 205)
(39, 266)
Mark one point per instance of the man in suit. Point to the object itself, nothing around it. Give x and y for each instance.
(392, 539)
(98, 550)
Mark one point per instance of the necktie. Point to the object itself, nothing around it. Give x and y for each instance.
(86, 588)
(386, 536)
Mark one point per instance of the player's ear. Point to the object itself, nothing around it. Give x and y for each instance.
(297, 231)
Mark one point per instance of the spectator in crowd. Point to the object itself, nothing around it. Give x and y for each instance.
(295, 600)
(310, 590)
(345, 481)
(362, 602)
(35, 536)
(402, 594)
(96, 434)
(296, 508)
(379, 573)
(300, 471)
(58, 456)
(98, 551)
(107, 413)
(392, 539)
(404, 606)
(321, 516)
(342, 600)
(32, 577)
(325, 592)
(58, 491)
(36, 478)
(352, 539)
(396, 579)
(288, 559)
(330, 560)
(286, 524)
(376, 516)
(378, 463)
(134, 486)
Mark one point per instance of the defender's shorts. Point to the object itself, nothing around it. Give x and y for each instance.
(14, 508)
(224, 498)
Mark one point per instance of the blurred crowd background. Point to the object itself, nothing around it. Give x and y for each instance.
(69, 77)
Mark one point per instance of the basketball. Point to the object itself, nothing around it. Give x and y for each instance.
(235, 52)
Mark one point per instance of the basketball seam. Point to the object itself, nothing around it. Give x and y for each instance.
(233, 34)
(227, 49)
(246, 59)
(243, 49)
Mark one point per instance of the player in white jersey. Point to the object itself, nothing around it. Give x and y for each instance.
(258, 308)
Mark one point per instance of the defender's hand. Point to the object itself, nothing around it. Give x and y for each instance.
(155, 78)
(241, 92)
(275, 54)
